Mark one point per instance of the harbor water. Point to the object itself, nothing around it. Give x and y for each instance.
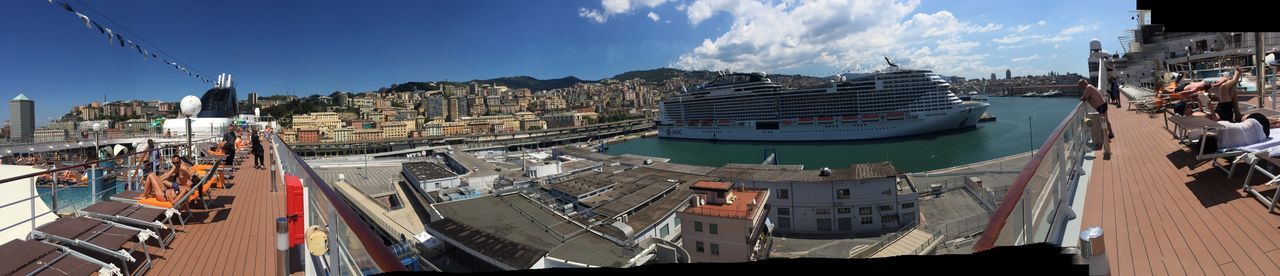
(1010, 134)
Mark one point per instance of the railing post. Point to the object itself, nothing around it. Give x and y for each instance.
(282, 245)
(54, 188)
(93, 185)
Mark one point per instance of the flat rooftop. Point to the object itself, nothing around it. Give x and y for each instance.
(517, 231)
(742, 208)
(854, 172)
(581, 184)
(425, 170)
(710, 185)
(374, 181)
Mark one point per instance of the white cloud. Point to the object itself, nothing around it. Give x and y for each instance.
(772, 35)
(1040, 23)
(654, 16)
(612, 7)
(1021, 28)
(1074, 29)
(1026, 58)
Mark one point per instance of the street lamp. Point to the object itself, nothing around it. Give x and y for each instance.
(190, 105)
(96, 127)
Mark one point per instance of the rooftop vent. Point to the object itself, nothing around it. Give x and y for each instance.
(825, 171)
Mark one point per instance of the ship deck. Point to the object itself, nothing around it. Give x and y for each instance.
(1163, 213)
(236, 236)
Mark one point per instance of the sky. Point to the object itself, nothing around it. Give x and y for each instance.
(310, 47)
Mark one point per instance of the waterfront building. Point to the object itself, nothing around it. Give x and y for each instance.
(725, 225)
(432, 129)
(454, 128)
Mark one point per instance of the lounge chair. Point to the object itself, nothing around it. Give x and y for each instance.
(100, 237)
(158, 220)
(196, 191)
(1201, 154)
(26, 257)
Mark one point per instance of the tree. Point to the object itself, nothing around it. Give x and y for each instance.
(531, 128)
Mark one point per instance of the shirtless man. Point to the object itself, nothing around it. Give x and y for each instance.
(1228, 109)
(176, 179)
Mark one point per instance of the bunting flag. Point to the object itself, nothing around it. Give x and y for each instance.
(87, 24)
(114, 37)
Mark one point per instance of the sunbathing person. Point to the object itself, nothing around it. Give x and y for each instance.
(1253, 129)
(158, 186)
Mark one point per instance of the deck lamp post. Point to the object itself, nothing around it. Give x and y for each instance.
(96, 128)
(190, 105)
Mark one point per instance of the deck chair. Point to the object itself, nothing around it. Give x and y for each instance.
(27, 257)
(1236, 153)
(184, 200)
(158, 220)
(100, 237)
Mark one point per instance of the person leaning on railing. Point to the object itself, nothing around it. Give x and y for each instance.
(1093, 98)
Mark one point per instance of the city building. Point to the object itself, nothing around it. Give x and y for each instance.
(726, 225)
(342, 134)
(22, 115)
(308, 136)
(454, 128)
(568, 119)
(1008, 74)
(320, 121)
(50, 135)
(397, 129)
(432, 129)
(430, 178)
(368, 134)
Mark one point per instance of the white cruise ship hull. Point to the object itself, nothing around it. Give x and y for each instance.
(962, 116)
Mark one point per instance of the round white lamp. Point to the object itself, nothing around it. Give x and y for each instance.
(190, 106)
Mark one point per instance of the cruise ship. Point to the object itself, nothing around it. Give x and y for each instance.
(749, 107)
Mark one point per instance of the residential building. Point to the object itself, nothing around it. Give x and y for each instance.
(432, 129)
(308, 136)
(454, 128)
(726, 225)
(342, 134)
(371, 134)
(397, 129)
(568, 119)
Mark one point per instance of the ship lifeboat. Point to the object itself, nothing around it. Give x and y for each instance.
(896, 115)
(870, 117)
(723, 122)
(788, 122)
(849, 119)
(679, 122)
(806, 120)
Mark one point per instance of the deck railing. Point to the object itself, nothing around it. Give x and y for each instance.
(354, 248)
(1037, 205)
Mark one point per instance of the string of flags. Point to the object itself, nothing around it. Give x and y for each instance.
(114, 37)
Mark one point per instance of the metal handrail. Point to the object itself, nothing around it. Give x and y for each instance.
(1014, 195)
(56, 170)
(381, 254)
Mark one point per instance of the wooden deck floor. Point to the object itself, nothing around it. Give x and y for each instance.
(1165, 214)
(235, 237)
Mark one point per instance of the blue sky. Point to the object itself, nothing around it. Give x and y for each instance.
(306, 47)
